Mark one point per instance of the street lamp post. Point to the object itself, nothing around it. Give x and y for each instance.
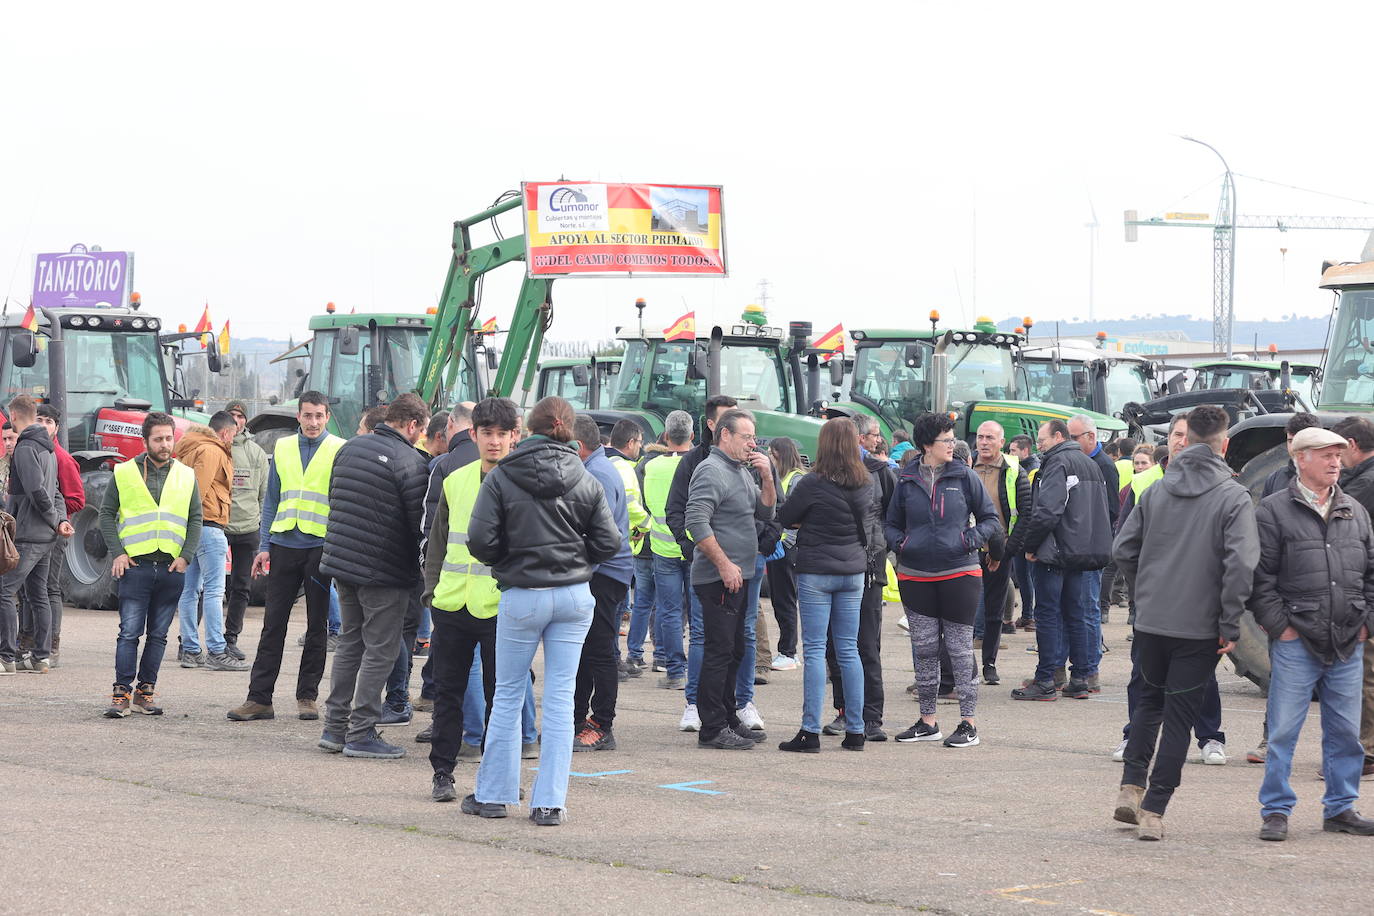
(1223, 259)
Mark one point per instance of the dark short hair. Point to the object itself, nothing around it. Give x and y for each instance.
(552, 417)
(317, 398)
(495, 413)
(372, 416)
(1300, 421)
(221, 420)
(1206, 423)
(8, 425)
(1161, 453)
(405, 409)
(1357, 429)
(1022, 441)
(624, 432)
(1126, 446)
(154, 420)
(928, 427)
(49, 412)
(732, 418)
(715, 403)
(1058, 428)
(437, 424)
(1177, 419)
(587, 432)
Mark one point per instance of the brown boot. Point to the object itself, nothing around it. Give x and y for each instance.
(250, 711)
(1151, 826)
(119, 703)
(1128, 804)
(307, 710)
(143, 701)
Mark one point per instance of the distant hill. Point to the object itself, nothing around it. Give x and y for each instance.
(1296, 333)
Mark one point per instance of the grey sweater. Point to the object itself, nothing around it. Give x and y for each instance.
(722, 502)
(33, 499)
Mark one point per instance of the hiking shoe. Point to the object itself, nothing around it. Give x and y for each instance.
(921, 732)
(622, 672)
(1076, 690)
(634, 667)
(233, 650)
(1259, 754)
(443, 790)
(250, 711)
(1094, 684)
(1036, 690)
(1022, 623)
(727, 740)
(1274, 827)
(1349, 821)
(873, 731)
(668, 682)
(1151, 826)
(143, 701)
(482, 809)
(306, 710)
(1214, 754)
(374, 748)
(990, 675)
(223, 661)
(332, 743)
(423, 704)
(964, 736)
(393, 716)
(784, 663)
(691, 721)
(469, 751)
(592, 737)
(804, 743)
(529, 750)
(422, 650)
(426, 735)
(119, 703)
(749, 716)
(835, 726)
(1120, 753)
(33, 665)
(1128, 800)
(753, 734)
(191, 659)
(760, 677)
(547, 817)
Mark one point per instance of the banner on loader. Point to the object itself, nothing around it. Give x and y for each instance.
(584, 228)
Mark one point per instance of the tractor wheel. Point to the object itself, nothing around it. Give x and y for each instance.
(86, 577)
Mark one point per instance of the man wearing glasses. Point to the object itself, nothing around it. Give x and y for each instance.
(249, 486)
(1083, 430)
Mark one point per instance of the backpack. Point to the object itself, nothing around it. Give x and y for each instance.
(9, 553)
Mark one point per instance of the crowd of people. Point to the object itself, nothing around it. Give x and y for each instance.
(509, 533)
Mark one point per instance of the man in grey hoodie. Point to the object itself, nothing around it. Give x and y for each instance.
(1191, 545)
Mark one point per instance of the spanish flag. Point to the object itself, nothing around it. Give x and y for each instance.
(685, 328)
(30, 322)
(224, 339)
(832, 340)
(488, 326)
(203, 327)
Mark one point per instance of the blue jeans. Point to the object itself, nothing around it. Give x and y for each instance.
(671, 575)
(831, 603)
(1294, 673)
(148, 595)
(1062, 631)
(205, 573)
(335, 618)
(744, 681)
(559, 619)
(1092, 581)
(1021, 572)
(475, 707)
(643, 612)
(426, 625)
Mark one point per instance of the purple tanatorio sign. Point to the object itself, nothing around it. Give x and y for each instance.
(82, 278)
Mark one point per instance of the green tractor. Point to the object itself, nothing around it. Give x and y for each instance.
(587, 383)
(1102, 382)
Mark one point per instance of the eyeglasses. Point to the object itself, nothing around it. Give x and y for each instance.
(946, 440)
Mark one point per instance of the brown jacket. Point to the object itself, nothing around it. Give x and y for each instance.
(213, 463)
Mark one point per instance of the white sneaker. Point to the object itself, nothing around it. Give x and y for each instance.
(691, 722)
(1214, 753)
(1120, 753)
(902, 622)
(784, 663)
(749, 717)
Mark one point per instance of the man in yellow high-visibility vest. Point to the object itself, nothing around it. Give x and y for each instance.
(462, 593)
(295, 515)
(151, 522)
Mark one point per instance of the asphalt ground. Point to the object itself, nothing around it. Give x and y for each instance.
(193, 813)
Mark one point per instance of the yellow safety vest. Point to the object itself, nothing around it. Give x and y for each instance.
(304, 493)
(464, 583)
(634, 502)
(1012, 472)
(1125, 468)
(658, 480)
(791, 479)
(1142, 481)
(150, 527)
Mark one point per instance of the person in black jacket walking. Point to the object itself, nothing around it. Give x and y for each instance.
(541, 523)
(372, 549)
(1067, 534)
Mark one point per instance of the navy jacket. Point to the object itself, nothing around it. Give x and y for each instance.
(929, 530)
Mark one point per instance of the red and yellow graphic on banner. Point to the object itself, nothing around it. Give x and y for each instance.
(594, 228)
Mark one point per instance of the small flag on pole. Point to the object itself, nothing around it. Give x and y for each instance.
(832, 340)
(224, 339)
(30, 322)
(488, 326)
(203, 327)
(685, 328)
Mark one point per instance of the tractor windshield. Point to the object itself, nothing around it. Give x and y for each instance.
(653, 376)
(1349, 378)
(1047, 386)
(881, 375)
(1126, 383)
(754, 375)
(1215, 377)
(979, 372)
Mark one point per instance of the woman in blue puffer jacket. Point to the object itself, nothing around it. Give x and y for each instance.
(939, 518)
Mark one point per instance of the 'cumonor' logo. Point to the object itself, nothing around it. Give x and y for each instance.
(570, 200)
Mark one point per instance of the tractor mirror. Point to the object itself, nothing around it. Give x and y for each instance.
(213, 361)
(913, 356)
(491, 359)
(348, 341)
(836, 366)
(696, 366)
(23, 349)
(580, 376)
(1081, 386)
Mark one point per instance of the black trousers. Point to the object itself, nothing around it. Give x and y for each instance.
(1208, 724)
(456, 634)
(722, 615)
(782, 590)
(870, 656)
(1174, 675)
(242, 549)
(291, 567)
(598, 676)
(996, 584)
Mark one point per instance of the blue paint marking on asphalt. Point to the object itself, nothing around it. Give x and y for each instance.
(603, 773)
(687, 787)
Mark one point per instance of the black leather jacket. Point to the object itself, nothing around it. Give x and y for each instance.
(540, 519)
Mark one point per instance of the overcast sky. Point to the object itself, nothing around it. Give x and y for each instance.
(272, 157)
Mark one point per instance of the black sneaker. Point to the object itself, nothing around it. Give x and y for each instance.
(425, 736)
(482, 809)
(634, 667)
(727, 739)
(873, 731)
(232, 649)
(836, 727)
(547, 817)
(752, 734)
(443, 788)
(964, 736)
(1036, 690)
(990, 675)
(1076, 690)
(921, 732)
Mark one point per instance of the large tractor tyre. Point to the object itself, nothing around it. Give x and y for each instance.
(267, 438)
(86, 577)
